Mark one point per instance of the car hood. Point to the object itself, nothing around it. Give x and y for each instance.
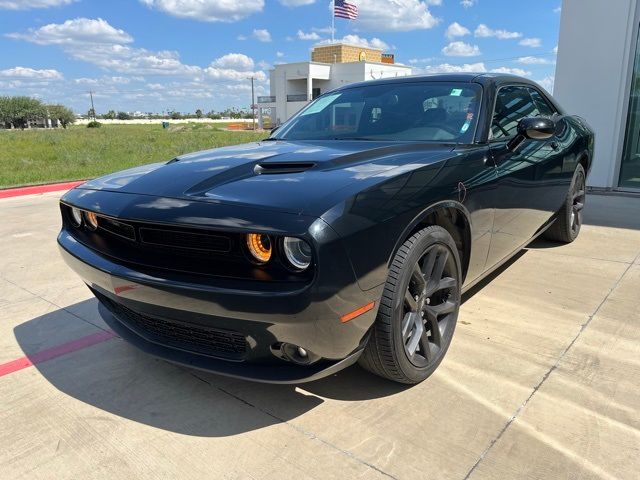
(295, 177)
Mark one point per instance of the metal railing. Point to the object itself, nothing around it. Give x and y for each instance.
(270, 99)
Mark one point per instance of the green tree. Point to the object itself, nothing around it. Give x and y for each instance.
(20, 111)
(91, 113)
(198, 113)
(110, 115)
(64, 115)
(123, 116)
(175, 115)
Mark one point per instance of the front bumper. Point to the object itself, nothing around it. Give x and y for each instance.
(308, 317)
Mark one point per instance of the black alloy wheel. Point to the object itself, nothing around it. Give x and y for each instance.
(429, 303)
(568, 220)
(418, 309)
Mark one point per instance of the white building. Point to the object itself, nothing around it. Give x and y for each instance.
(598, 78)
(294, 85)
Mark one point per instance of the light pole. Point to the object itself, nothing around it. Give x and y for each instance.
(253, 102)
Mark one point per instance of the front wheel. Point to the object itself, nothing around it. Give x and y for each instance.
(418, 310)
(569, 218)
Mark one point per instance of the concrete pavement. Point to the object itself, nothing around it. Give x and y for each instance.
(542, 380)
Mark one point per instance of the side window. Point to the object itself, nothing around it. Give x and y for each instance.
(546, 110)
(513, 103)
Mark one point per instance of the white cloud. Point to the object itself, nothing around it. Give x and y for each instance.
(535, 61)
(511, 71)
(105, 80)
(296, 3)
(530, 42)
(395, 15)
(135, 61)
(279, 54)
(483, 31)
(456, 30)
(233, 66)
(555, 49)
(208, 10)
(308, 36)
(236, 61)
(362, 42)
(478, 67)
(28, 4)
(547, 83)
(30, 74)
(448, 68)
(558, 9)
(461, 49)
(242, 38)
(76, 31)
(468, 3)
(262, 35)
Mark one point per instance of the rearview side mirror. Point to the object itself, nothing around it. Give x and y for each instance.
(534, 128)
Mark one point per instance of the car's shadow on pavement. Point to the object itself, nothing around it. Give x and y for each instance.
(115, 377)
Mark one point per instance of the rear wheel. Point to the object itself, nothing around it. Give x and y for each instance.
(569, 219)
(418, 310)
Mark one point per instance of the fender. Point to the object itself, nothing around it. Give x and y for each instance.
(422, 217)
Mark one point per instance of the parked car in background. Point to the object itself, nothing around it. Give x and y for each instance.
(349, 234)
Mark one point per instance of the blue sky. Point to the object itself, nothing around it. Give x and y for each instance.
(158, 55)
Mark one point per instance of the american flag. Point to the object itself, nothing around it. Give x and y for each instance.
(346, 10)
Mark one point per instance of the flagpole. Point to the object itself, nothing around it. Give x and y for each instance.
(333, 21)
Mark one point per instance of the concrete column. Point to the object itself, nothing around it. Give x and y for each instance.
(309, 87)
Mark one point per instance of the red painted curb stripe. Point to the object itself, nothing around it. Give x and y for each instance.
(55, 352)
(51, 187)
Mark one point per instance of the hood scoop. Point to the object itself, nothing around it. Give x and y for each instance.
(274, 168)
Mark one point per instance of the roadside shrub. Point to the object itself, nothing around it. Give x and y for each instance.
(94, 124)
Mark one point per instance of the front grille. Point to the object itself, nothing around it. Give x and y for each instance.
(185, 336)
(118, 228)
(175, 251)
(190, 240)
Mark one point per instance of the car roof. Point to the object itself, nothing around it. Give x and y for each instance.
(482, 78)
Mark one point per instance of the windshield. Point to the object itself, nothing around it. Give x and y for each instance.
(420, 111)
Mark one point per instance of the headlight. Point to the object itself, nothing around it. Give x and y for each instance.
(259, 246)
(298, 252)
(91, 219)
(76, 216)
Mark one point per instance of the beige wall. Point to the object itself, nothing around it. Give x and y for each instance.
(344, 54)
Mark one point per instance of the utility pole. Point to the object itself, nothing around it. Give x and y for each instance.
(253, 103)
(93, 110)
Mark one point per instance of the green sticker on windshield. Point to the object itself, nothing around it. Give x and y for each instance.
(456, 92)
(320, 104)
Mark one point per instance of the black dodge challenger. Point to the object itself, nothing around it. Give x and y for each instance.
(347, 235)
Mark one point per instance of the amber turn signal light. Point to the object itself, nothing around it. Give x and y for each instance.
(259, 246)
(91, 220)
(356, 313)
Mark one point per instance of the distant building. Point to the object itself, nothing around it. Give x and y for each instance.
(598, 78)
(294, 85)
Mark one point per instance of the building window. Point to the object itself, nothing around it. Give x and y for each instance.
(630, 166)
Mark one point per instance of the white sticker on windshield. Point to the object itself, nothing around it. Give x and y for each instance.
(456, 92)
(320, 104)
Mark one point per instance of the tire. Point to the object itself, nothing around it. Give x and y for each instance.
(569, 218)
(422, 292)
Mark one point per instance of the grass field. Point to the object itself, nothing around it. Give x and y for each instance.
(44, 156)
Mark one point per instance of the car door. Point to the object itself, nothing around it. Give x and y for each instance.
(524, 196)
